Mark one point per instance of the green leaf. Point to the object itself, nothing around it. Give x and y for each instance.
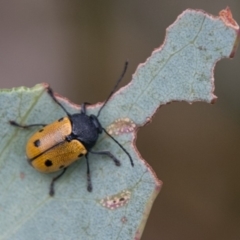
(180, 70)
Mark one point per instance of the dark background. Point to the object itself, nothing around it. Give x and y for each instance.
(79, 47)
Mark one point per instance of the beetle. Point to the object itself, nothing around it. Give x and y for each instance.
(57, 145)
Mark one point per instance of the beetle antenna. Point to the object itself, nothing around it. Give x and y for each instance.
(115, 87)
(130, 158)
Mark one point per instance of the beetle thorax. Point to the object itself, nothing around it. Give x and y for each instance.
(85, 128)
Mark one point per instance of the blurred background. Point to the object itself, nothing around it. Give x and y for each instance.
(79, 47)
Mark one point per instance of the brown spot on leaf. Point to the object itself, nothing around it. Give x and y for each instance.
(120, 126)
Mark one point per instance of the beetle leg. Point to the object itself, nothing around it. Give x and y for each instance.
(89, 181)
(107, 153)
(83, 107)
(50, 92)
(26, 126)
(51, 191)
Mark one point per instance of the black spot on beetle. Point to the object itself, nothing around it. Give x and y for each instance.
(60, 119)
(41, 130)
(48, 163)
(62, 166)
(80, 155)
(37, 143)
